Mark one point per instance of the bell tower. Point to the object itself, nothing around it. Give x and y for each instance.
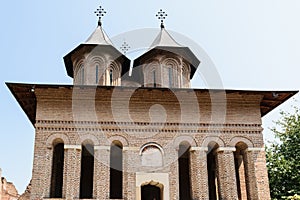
(97, 61)
(166, 63)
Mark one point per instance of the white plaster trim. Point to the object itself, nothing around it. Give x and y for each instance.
(72, 146)
(199, 149)
(102, 148)
(226, 149)
(131, 148)
(255, 149)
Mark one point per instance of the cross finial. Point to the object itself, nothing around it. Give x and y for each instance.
(161, 15)
(100, 12)
(125, 47)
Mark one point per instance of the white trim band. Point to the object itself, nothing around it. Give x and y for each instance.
(131, 148)
(255, 149)
(225, 149)
(102, 148)
(199, 149)
(66, 146)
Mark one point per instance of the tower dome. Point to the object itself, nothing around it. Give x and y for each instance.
(97, 61)
(166, 63)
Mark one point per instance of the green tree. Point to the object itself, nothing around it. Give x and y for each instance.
(283, 158)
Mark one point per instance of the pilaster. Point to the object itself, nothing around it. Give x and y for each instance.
(258, 181)
(72, 161)
(198, 172)
(101, 172)
(226, 173)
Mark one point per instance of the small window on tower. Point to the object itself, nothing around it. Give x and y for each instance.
(170, 77)
(154, 78)
(97, 74)
(110, 77)
(82, 74)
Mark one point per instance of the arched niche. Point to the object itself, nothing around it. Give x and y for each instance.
(151, 155)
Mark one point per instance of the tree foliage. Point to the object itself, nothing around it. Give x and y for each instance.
(283, 158)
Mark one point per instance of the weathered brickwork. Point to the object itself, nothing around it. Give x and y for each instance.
(60, 117)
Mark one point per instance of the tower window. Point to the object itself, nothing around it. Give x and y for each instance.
(170, 77)
(82, 75)
(154, 78)
(110, 77)
(97, 74)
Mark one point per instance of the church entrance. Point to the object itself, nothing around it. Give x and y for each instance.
(150, 192)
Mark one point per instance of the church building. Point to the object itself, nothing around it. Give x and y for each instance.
(136, 130)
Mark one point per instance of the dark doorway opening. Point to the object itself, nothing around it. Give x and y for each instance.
(151, 192)
(184, 171)
(57, 171)
(87, 172)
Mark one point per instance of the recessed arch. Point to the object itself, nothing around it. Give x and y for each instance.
(88, 138)
(238, 139)
(119, 138)
(151, 144)
(184, 138)
(210, 140)
(151, 155)
(56, 137)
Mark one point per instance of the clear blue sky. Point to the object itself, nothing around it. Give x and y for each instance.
(254, 44)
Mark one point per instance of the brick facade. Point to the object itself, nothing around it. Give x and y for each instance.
(154, 110)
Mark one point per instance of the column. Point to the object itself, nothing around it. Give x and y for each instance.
(198, 172)
(226, 173)
(71, 182)
(101, 172)
(256, 174)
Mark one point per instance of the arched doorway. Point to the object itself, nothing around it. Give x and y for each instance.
(151, 192)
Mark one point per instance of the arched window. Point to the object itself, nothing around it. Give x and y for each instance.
(241, 171)
(170, 72)
(87, 171)
(82, 74)
(212, 172)
(97, 74)
(111, 77)
(57, 171)
(154, 78)
(116, 170)
(184, 171)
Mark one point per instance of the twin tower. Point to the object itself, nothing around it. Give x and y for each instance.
(98, 62)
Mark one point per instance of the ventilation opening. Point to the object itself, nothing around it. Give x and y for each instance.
(57, 171)
(87, 172)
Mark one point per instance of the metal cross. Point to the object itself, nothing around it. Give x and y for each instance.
(125, 47)
(161, 15)
(100, 12)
